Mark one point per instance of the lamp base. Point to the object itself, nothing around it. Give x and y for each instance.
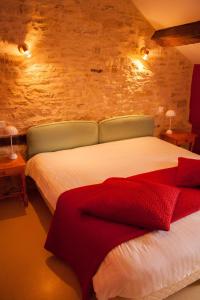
(13, 156)
(169, 131)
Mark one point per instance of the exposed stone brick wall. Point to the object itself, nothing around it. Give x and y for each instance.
(68, 38)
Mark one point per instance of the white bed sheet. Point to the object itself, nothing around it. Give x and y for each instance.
(155, 261)
(141, 266)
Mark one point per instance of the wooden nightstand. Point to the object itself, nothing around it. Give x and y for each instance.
(15, 167)
(180, 138)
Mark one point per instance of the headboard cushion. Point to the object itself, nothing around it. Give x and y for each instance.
(125, 127)
(61, 135)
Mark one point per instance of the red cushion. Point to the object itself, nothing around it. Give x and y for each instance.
(140, 203)
(188, 172)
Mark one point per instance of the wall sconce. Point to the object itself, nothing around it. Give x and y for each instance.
(23, 49)
(144, 53)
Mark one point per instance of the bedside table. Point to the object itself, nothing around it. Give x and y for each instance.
(180, 138)
(16, 167)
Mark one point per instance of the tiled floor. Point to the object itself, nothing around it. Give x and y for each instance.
(27, 271)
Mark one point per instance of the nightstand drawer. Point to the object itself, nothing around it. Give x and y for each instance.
(2, 173)
(14, 167)
(183, 141)
(11, 172)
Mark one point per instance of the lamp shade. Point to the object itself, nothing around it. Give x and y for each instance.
(11, 130)
(170, 113)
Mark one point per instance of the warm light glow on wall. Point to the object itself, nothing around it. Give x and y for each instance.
(27, 54)
(145, 56)
(35, 68)
(139, 65)
(144, 53)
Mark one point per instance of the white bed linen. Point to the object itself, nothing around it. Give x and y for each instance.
(141, 266)
(56, 172)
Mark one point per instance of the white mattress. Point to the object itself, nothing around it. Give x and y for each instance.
(144, 266)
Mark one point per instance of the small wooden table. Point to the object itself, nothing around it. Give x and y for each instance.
(16, 167)
(180, 138)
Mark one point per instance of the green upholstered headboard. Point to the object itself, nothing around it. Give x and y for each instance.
(125, 127)
(72, 134)
(60, 136)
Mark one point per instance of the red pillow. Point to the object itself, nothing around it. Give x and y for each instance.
(140, 203)
(188, 172)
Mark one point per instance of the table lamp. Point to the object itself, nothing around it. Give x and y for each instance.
(11, 130)
(170, 114)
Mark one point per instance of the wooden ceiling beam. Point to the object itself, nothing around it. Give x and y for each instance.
(178, 35)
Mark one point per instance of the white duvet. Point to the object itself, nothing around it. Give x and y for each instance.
(142, 266)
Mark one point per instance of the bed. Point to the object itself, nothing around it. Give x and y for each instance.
(66, 155)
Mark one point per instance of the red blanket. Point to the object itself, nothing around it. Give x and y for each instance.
(83, 241)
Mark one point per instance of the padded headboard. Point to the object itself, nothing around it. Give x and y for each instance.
(61, 135)
(125, 127)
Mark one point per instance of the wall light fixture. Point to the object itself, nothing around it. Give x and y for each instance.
(24, 50)
(144, 53)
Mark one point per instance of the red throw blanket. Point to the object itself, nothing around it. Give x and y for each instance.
(83, 241)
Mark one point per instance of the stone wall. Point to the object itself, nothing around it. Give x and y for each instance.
(82, 63)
